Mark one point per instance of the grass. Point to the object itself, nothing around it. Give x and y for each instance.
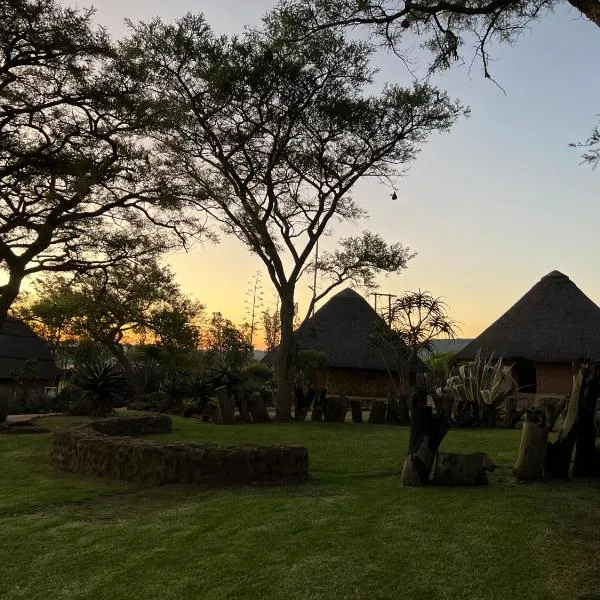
(351, 532)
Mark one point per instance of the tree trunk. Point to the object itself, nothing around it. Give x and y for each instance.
(426, 434)
(357, 416)
(226, 405)
(118, 352)
(532, 451)
(590, 8)
(9, 292)
(461, 469)
(585, 450)
(318, 405)
(286, 357)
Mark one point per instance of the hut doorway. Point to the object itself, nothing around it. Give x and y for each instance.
(525, 376)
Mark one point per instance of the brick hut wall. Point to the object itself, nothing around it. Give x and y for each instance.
(554, 378)
(354, 382)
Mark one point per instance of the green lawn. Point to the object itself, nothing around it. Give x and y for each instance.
(351, 532)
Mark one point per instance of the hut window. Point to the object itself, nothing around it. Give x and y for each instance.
(525, 375)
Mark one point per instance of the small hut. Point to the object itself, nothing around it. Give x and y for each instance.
(345, 330)
(25, 357)
(539, 337)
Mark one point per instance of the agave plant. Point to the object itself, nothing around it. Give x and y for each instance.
(483, 383)
(102, 385)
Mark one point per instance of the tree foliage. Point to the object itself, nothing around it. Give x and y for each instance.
(131, 301)
(443, 27)
(268, 135)
(78, 188)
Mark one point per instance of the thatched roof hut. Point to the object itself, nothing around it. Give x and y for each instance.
(345, 330)
(553, 324)
(20, 346)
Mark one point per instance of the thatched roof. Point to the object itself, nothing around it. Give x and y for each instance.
(344, 330)
(19, 344)
(553, 322)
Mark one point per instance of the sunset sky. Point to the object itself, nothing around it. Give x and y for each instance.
(490, 207)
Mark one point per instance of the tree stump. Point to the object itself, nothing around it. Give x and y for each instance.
(226, 405)
(532, 451)
(318, 405)
(357, 416)
(257, 408)
(377, 412)
(461, 469)
(336, 408)
(426, 434)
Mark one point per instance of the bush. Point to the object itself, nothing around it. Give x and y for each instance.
(154, 401)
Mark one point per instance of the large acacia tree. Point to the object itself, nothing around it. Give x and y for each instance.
(77, 187)
(451, 30)
(269, 136)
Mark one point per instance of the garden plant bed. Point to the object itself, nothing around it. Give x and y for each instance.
(107, 448)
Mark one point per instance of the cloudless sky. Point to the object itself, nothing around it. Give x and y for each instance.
(490, 207)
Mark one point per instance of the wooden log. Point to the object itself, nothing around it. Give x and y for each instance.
(559, 453)
(377, 412)
(426, 434)
(357, 416)
(318, 405)
(226, 405)
(532, 451)
(461, 469)
(257, 409)
(511, 414)
(553, 408)
(585, 450)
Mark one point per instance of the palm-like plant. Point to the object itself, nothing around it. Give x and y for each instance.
(174, 386)
(102, 385)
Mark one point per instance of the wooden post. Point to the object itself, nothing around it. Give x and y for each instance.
(226, 405)
(532, 451)
(302, 403)
(377, 412)
(257, 408)
(318, 405)
(357, 416)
